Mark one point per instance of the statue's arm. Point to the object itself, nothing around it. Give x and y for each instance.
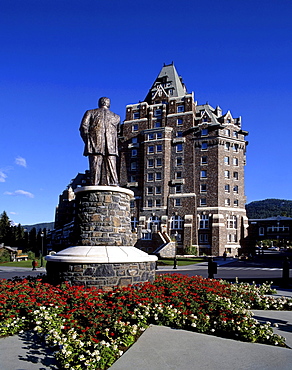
(84, 126)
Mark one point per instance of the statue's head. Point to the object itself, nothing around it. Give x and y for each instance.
(104, 102)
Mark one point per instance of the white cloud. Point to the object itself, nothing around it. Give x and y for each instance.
(13, 213)
(20, 192)
(20, 161)
(3, 176)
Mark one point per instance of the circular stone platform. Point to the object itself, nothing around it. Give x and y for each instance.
(103, 257)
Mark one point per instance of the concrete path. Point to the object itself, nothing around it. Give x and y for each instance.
(25, 352)
(162, 348)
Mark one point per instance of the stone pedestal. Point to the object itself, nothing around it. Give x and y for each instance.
(104, 256)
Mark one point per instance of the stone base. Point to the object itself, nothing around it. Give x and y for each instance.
(101, 275)
(101, 266)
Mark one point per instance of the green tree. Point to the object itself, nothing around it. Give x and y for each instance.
(5, 226)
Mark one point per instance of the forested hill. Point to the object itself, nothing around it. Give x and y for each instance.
(44, 225)
(269, 208)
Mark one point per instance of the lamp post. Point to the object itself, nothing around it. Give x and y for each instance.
(42, 252)
(175, 260)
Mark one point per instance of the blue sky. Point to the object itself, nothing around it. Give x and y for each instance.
(59, 56)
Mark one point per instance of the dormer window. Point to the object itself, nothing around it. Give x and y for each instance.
(204, 132)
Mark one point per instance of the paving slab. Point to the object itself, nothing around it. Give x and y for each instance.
(25, 352)
(163, 348)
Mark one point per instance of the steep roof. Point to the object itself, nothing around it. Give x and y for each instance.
(169, 79)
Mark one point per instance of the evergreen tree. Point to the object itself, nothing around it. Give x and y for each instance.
(5, 226)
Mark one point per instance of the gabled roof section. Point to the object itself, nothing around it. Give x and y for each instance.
(170, 81)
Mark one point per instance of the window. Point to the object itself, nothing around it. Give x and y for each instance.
(149, 203)
(135, 127)
(178, 188)
(203, 201)
(134, 140)
(151, 136)
(235, 147)
(204, 145)
(158, 203)
(235, 134)
(232, 222)
(158, 176)
(176, 223)
(134, 222)
(150, 162)
(133, 166)
(180, 108)
(150, 149)
(179, 148)
(227, 202)
(227, 146)
(158, 190)
(146, 235)
(149, 190)
(177, 202)
(204, 132)
(235, 203)
(235, 161)
(226, 160)
(150, 177)
(158, 124)
(204, 222)
(179, 121)
(178, 175)
(158, 162)
(132, 178)
(179, 161)
(157, 112)
(203, 174)
(235, 175)
(136, 115)
(203, 188)
(158, 148)
(227, 132)
(159, 135)
(235, 189)
(226, 174)
(227, 188)
(204, 160)
(134, 152)
(179, 134)
(132, 204)
(261, 231)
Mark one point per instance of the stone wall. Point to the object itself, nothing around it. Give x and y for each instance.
(103, 216)
(101, 275)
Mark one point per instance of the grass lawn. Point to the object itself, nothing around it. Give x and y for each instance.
(22, 263)
(181, 261)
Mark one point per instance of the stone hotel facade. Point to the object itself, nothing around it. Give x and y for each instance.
(185, 163)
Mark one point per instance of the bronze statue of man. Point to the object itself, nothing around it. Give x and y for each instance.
(99, 131)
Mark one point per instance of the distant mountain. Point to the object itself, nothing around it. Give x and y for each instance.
(269, 208)
(44, 225)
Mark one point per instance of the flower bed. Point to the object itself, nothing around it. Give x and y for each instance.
(90, 328)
